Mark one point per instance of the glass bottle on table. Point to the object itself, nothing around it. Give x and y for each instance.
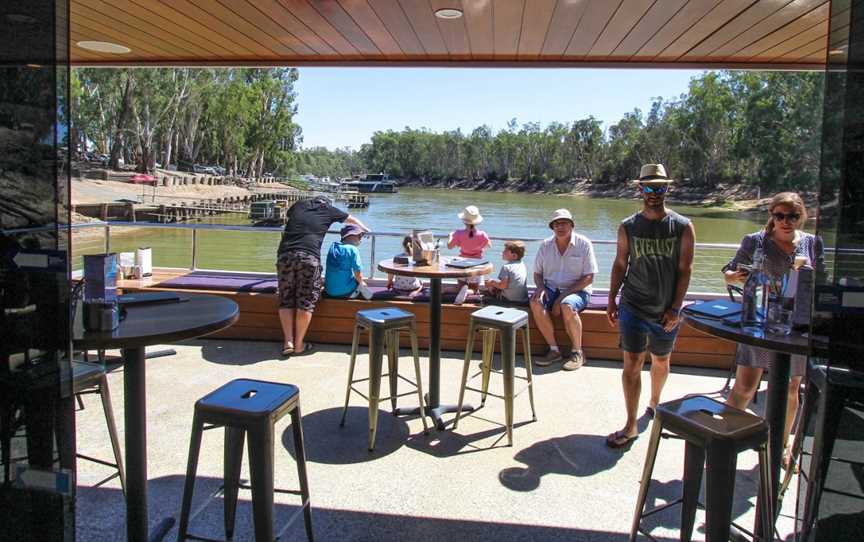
(753, 296)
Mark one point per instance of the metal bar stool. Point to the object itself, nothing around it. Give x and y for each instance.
(90, 378)
(248, 407)
(717, 433)
(491, 321)
(384, 326)
(831, 389)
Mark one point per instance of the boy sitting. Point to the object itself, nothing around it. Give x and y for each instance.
(512, 283)
(344, 278)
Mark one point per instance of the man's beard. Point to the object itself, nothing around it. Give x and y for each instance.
(655, 203)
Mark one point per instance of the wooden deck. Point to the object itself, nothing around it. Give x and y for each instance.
(334, 319)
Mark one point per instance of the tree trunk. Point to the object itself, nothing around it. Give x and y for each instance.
(125, 111)
(166, 157)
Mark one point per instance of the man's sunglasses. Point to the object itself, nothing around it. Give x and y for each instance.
(655, 189)
(780, 217)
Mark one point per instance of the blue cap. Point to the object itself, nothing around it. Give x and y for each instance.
(351, 229)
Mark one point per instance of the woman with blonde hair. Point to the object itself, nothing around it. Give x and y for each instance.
(782, 242)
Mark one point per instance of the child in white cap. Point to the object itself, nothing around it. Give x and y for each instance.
(471, 242)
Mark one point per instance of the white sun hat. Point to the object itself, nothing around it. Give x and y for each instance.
(471, 215)
(560, 214)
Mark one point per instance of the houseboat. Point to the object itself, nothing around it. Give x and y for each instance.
(261, 210)
(379, 183)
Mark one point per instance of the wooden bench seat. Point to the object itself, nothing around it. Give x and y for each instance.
(334, 319)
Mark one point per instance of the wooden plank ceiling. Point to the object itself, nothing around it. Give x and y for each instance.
(686, 33)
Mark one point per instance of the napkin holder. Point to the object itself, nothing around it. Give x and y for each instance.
(144, 260)
(422, 247)
(100, 277)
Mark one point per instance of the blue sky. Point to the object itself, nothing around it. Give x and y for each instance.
(342, 107)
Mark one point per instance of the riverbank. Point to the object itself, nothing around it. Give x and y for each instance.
(723, 197)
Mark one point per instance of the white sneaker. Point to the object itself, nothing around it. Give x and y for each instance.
(460, 297)
(364, 291)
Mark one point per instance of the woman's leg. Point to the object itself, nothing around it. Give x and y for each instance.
(746, 383)
(791, 410)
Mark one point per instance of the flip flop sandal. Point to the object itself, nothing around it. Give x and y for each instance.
(649, 411)
(308, 348)
(287, 352)
(615, 440)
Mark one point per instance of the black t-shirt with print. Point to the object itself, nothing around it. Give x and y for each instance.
(308, 222)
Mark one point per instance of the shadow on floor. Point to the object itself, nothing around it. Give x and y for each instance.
(573, 455)
(100, 518)
(326, 442)
(225, 353)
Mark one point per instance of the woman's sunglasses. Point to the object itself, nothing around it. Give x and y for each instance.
(655, 189)
(780, 217)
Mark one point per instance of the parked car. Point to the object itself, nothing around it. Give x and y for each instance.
(194, 168)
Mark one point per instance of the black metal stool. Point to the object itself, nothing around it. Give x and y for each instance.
(718, 433)
(384, 326)
(248, 406)
(90, 378)
(830, 390)
(507, 321)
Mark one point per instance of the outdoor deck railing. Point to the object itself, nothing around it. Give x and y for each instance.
(708, 255)
(712, 254)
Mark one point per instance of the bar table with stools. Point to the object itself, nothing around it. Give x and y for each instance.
(435, 273)
(147, 324)
(384, 327)
(492, 321)
(248, 408)
(714, 433)
(778, 378)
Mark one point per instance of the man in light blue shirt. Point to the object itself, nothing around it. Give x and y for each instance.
(344, 277)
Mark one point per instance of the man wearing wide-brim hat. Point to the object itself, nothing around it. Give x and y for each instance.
(652, 270)
(564, 269)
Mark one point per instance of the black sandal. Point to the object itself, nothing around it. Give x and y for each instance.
(308, 348)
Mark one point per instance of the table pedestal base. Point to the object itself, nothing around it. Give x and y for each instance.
(436, 413)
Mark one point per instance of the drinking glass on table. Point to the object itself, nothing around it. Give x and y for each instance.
(779, 318)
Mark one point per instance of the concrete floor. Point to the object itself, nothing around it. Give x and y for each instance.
(558, 482)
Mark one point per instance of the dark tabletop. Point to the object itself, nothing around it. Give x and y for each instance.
(794, 343)
(150, 324)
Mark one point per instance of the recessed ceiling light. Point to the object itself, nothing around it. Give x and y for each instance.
(104, 47)
(448, 13)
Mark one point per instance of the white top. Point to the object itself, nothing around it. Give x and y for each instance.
(564, 270)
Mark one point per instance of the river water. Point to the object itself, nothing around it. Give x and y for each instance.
(506, 215)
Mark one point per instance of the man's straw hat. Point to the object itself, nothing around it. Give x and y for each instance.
(653, 173)
(471, 215)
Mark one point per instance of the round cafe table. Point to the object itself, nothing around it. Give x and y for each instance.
(778, 377)
(147, 325)
(435, 273)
